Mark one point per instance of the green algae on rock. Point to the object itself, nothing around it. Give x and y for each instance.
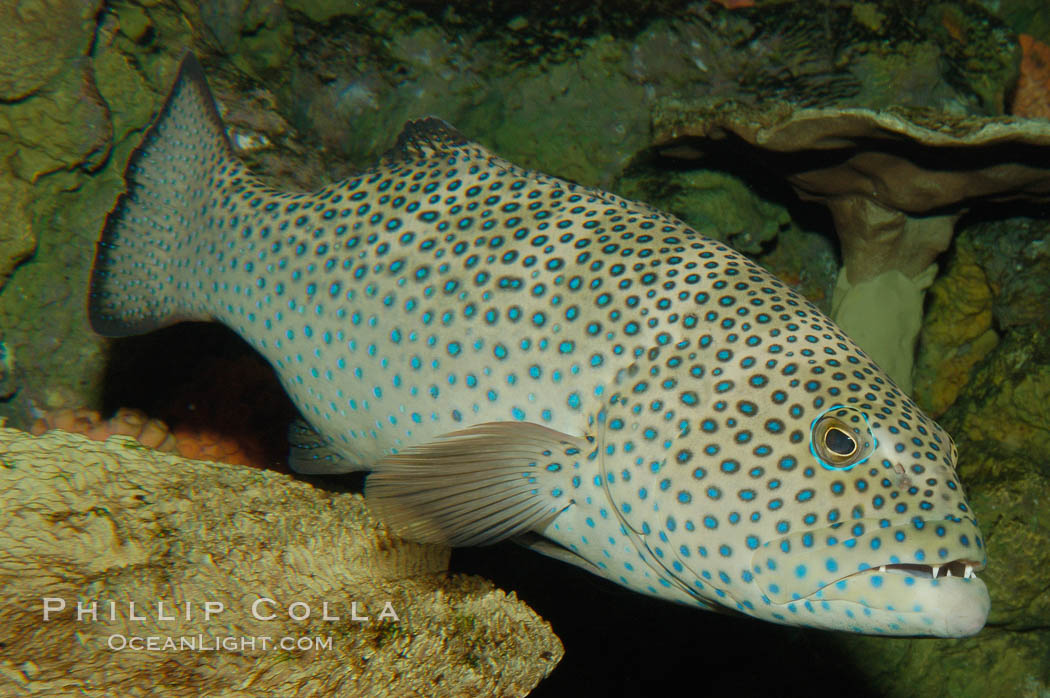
(116, 522)
(1022, 16)
(998, 279)
(715, 202)
(323, 11)
(51, 116)
(39, 39)
(957, 332)
(257, 36)
(583, 119)
(1005, 405)
(67, 126)
(1015, 256)
(17, 241)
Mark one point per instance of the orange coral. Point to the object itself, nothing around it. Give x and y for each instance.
(1032, 96)
(187, 440)
(207, 444)
(227, 410)
(126, 422)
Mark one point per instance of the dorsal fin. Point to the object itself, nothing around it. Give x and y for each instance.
(423, 139)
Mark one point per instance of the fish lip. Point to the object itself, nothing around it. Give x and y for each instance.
(962, 568)
(944, 606)
(918, 570)
(796, 566)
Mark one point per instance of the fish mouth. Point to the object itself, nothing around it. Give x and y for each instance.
(823, 561)
(964, 569)
(917, 578)
(945, 600)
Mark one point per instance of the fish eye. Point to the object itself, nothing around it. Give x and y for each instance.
(841, 438)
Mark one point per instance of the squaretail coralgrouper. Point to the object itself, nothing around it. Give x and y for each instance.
(515, 356)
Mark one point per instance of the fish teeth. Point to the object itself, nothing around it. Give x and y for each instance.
(947, 571)
(936, 569)
(882, 569)
(969, 572)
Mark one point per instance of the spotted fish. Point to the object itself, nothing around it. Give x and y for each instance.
(515, 356)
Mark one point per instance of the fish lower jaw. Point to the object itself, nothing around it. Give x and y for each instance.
(966, 569)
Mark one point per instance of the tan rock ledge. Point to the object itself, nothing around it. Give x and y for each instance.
(203, 561)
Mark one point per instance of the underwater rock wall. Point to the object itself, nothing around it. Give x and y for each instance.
(55, 132)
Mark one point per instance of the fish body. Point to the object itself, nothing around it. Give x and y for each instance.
(515, 356)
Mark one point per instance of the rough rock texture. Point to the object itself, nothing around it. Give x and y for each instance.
(1004, 406)
(1022, 16)
(16, 238)
(716, 202)
(998, 280)
(56, 132)
(39, 37)
(958, 331)
(84, 521)
(51, 116)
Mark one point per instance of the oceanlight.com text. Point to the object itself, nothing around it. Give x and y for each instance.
(222, 643)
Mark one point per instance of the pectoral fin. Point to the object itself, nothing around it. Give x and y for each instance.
(477, 486)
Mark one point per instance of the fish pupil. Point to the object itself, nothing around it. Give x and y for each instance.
(839, 442)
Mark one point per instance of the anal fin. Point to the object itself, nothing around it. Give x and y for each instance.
(477, 486)
(311, 453)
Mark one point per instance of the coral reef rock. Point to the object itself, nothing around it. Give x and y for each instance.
(39, 39)
(958, 330)
(99, 523)
(16, 239)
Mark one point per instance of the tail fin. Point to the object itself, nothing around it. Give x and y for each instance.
(134, 282)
